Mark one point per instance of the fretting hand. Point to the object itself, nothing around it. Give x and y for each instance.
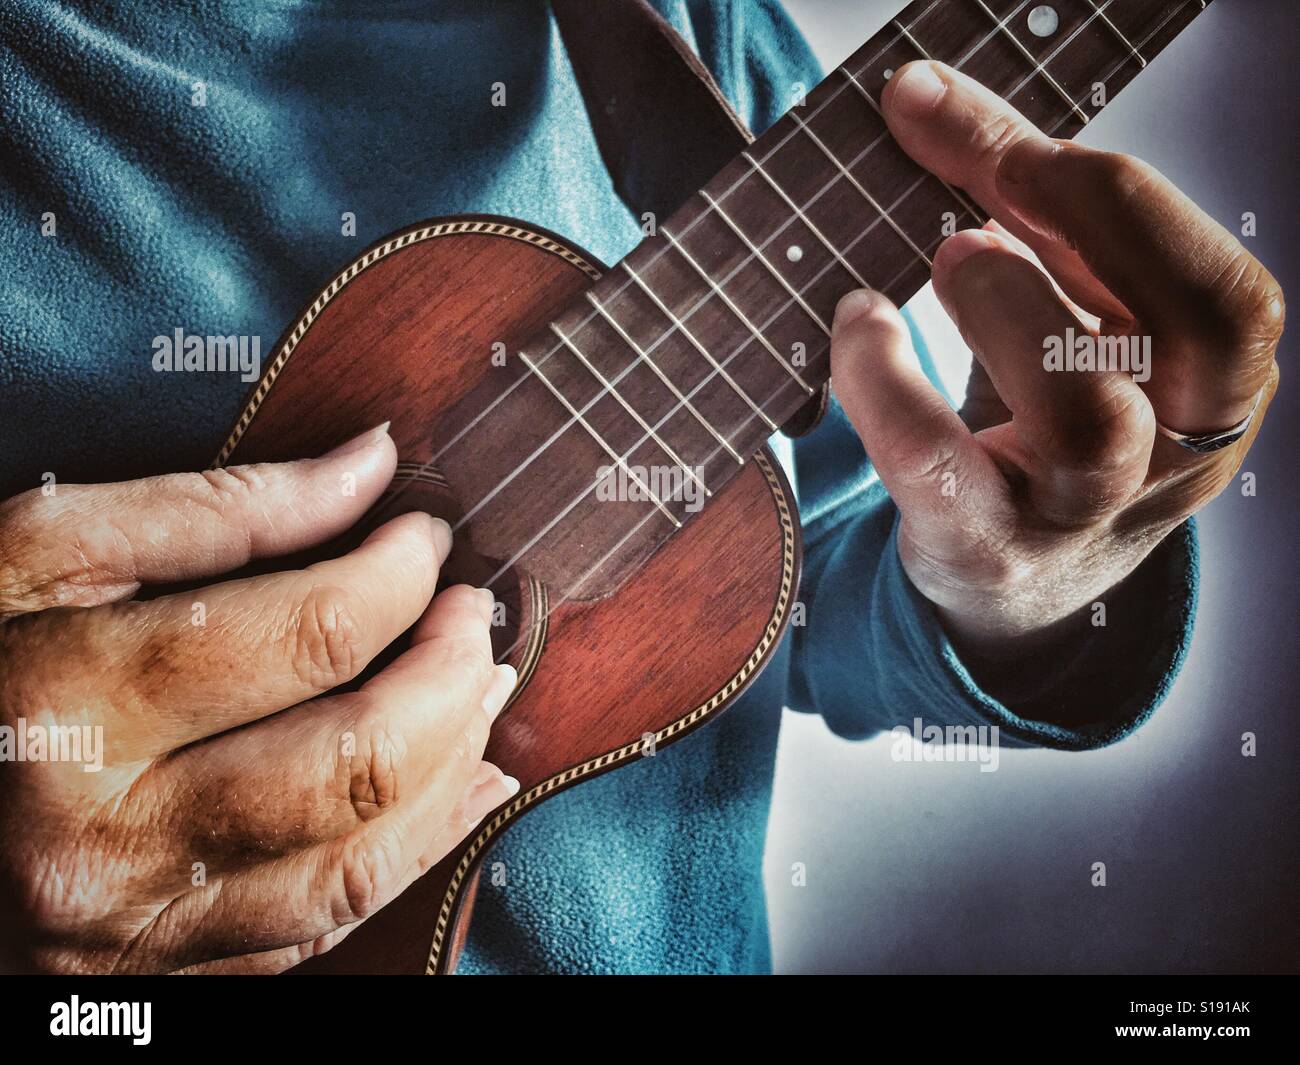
(1053, 484)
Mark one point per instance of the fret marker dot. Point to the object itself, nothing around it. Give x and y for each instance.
(1043, 21)
(888, 74)
(794, 253)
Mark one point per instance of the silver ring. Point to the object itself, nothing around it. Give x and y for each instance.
(1207, 443)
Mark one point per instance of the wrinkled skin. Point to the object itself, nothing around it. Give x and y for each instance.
(238, 822)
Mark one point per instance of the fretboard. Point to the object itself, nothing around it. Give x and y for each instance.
(721, 319)
(715, 330)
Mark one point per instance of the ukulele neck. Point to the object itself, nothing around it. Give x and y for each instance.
(736, 291)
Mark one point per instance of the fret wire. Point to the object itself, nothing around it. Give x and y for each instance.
(1039, 68)
(866, 195)
(854, 80)
(600, 440)
(680, 325)
(708, 295)
(812, 281)
(780, 229)
(906, 193)
(767, 344)
(1060, 48)
(556, 602)
(966, 205)
(647, 352)
(607, 387)
(757, 409)
(643, 357)
(781, 144)
(1101, 13)
(1117, 67)
(770, 268)
(799, 214)
(990, 35)
(660, 252)
(545, 444)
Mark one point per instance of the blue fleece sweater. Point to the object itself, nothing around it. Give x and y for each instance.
(187, 166)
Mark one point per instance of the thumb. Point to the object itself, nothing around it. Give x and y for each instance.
(941, 478)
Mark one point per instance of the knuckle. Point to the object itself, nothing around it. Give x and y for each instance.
(924, 455)
(464, 597)
(19, 548)
(17, 512)
(474, 738)
(994, 137)
(1123, 176)
(467, 656)
(928, 463)
(367, 875)
(375, 771)
(229, 486)
(1105, 436)
(56, 891)
(325, 638)
(314, 948)
(1254, 306)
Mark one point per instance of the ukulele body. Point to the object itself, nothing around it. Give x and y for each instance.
(407, 330)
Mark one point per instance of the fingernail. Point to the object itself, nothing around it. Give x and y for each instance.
(1024, 162)
(961, 246)
(487, 603)
(359, 443)
(915, 90)
(487, 797)
(441, 539)
(502, 684)
(854, 306)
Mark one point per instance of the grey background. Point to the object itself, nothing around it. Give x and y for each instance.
(937, 867)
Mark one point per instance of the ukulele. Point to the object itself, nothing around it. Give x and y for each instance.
(596, 437)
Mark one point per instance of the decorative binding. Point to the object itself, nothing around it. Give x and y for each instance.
(610, 759)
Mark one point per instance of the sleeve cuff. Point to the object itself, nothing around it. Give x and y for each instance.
(1107, 686)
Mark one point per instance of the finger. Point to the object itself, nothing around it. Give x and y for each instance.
(1081, 436)
(928, 460)
(457, 612)
(300, 898)
(270, 962)
(186, 666)
(84, 545)
(1091, 320)
(956, 128)
(328, 767)
(488, 790)
(1214, 313)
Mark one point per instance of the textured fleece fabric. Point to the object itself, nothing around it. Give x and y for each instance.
(196, 160)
